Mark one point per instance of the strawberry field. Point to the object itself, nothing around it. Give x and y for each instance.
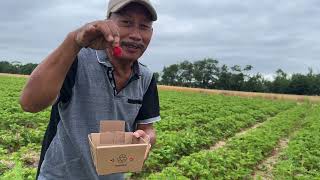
(193, 124)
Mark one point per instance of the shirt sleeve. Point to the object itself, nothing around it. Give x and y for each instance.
(150, 110)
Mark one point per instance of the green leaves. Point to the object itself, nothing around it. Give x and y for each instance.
(197, 121)
(302, 157)
(191, 122)
(20, 133)
(237, 159)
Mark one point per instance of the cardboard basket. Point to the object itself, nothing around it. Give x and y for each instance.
(114, 150)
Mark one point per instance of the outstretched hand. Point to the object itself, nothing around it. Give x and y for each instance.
(98, 35)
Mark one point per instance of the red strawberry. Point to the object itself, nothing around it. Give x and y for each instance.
(117, 51)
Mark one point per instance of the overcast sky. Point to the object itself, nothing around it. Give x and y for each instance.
(268, 34)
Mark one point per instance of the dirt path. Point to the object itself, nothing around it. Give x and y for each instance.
(264, 169)
(14, 75)
(220, 144)
(299, 98)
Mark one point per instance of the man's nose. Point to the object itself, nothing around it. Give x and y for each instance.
(135, 34)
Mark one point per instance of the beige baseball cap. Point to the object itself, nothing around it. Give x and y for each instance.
(116, 5)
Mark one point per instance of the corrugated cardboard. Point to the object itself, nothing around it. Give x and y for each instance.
(114, 150)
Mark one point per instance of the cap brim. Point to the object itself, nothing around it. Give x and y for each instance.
(149, 7)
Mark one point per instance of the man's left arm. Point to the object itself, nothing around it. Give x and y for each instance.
(149, 113)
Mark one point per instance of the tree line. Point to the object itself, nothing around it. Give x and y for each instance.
(16, 67)
(207, 73)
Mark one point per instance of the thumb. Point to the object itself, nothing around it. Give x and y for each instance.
(138, 133)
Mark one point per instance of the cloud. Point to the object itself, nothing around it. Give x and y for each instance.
(267, 34)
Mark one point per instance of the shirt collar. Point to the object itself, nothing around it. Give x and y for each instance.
(103, 59)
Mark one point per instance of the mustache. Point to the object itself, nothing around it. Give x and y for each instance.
(127, 43)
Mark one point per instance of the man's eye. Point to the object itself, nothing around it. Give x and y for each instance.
(126, 23)
(145, 27)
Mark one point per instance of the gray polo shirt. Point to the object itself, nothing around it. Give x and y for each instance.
(90, 98)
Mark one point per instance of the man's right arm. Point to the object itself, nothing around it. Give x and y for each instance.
(46, 80)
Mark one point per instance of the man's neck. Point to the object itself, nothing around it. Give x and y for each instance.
(121, 68)
(122, 71)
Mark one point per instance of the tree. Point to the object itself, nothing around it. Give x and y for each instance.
(186, 73)
(156, 76)
(298, 84)
(170, 75)
(255, 84)
(27, 68)
(6, 67)
(280, 83)
(205, 73)
(238, 77)
(224, 77)
(16, 67)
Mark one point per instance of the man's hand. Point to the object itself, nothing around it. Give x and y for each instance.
(145, 136)
(98, 35)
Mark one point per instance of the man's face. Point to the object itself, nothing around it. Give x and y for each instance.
(135, 28)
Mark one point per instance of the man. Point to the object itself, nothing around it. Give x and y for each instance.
(87, 83)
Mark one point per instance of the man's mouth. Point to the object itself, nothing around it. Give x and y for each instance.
(132, 45)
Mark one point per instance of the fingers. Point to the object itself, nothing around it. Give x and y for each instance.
(139, 133)
(142, 134)
(86, 34)
(110, 32)
(98, 34)
(115, 32)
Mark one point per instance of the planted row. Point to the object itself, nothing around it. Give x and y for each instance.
(301, 160)
(238, 158)
(172, 145)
